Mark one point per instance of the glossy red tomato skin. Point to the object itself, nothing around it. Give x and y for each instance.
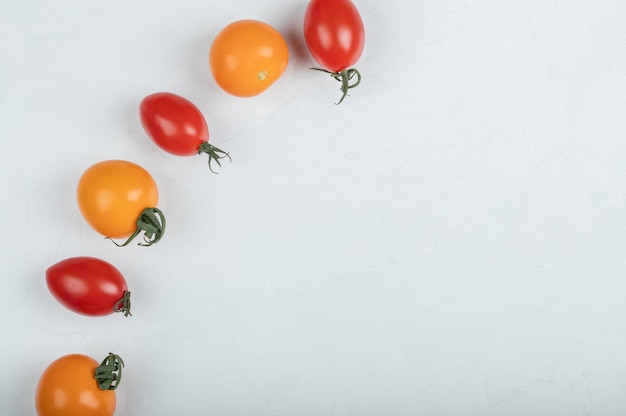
(173, 123)
(86, 285)
(334, 33)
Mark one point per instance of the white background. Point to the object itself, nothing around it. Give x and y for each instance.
(450, 240)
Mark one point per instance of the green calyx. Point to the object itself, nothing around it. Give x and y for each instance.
(151, 222)
(123, 305)
(109, 373)
(345, 77)
(215, 154)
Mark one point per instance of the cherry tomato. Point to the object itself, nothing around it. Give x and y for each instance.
(248, 56)
(177, 126)
(89, 286)
(76, 385)
(118, 199)
(334, 34)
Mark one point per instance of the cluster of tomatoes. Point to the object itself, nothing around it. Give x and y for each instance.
(119, 198)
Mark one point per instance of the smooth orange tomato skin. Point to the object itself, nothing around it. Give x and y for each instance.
(248, 56)
(111, 195)
(67, 387)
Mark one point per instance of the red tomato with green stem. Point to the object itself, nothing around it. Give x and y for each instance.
(335, 36)
(76, 385)
(177, 126)
(89, 286)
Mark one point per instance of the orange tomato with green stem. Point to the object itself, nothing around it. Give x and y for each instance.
(76, 384)
(118, 199)
(248, 56)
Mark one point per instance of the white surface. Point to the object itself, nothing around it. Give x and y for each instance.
(450, 240)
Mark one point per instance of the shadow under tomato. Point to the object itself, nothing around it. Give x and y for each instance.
(291, 27)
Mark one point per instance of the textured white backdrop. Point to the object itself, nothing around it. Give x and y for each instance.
(450, 240)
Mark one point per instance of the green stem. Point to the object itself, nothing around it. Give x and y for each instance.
(344, 77)
(109, 373)
(123, 305)
(152, 222)
(215, 154)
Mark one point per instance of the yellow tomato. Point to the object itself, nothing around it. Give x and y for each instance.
(114, 194)
(248, 56)
(68, 387)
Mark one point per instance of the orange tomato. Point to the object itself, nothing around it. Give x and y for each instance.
(248, 56)
(68, 387)
(114, 195)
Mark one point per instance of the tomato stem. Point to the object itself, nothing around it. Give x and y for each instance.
(215, 154)
(109, 373)
(123, 305)
(344, 77)
(152, 222)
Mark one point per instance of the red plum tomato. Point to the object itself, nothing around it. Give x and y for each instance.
(89, 286)
(177, 126)
(335, 37)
